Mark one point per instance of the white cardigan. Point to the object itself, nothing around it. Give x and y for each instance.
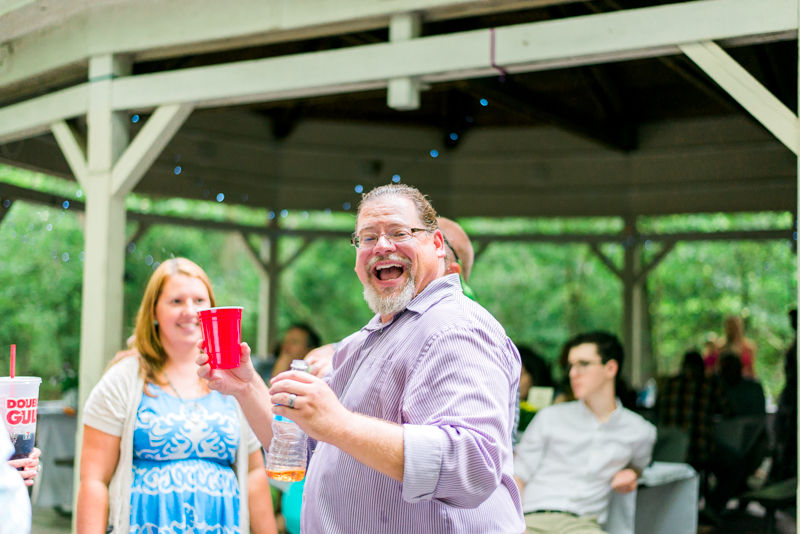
(112, 407)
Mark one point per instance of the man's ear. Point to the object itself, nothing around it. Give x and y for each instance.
(612, 368)
(454, 268)
(438, 241)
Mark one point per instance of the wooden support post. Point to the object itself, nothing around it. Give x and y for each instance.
(273, 273)
(638, 365)
(107, 166)
(104, 234)
(403, 93)
(269, 269)
(262, 342)
(632, 305)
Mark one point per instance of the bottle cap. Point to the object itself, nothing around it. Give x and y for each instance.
(299, 365)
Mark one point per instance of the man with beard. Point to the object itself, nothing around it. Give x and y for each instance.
(411, 430)
(458, 260)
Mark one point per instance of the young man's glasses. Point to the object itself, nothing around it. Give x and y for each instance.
(581, 365)
(368, 240)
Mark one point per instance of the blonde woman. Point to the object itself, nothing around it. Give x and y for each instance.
(161, 452)
(734, 342)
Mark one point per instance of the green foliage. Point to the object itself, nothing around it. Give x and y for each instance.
(541, 293)
(699, 284)
(40, 291)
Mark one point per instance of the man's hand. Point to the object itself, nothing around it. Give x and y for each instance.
(227, 381)
(316, 408)
(30, 466)
(625, 481)
(320, 360)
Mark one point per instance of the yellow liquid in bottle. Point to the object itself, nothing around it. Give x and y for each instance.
(287, 475)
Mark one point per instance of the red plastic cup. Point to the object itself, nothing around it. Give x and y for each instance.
(222, 332)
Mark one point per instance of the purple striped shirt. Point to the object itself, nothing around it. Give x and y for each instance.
(448, 373)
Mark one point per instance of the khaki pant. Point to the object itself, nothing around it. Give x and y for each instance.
(555, 523)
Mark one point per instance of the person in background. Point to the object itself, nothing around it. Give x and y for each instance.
(161, 452)
(15, 506)
(573, 455)
(625, 393)
(745, 396)
(28, 467)
(735, 342)
(460, 254)
(299, 340)
(689, 402)
(785, 464)
(534, 373)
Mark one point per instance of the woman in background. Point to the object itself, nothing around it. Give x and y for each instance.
(735, 342)
(161, 452)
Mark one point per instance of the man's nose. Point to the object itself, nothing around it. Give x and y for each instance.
(383, 245)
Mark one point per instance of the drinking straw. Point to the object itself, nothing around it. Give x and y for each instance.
(13, 359)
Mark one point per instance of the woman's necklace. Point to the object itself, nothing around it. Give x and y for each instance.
(194, 408)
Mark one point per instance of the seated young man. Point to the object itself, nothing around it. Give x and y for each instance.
(574, 454)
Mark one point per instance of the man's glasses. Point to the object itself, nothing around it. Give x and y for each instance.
(581, 366)
(366, 240)
(450, 247)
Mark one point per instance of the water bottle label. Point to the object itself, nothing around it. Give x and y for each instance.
(281, 418)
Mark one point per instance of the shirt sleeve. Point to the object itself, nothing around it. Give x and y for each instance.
(458, 407)
(106, 408)
(531, 448)
(643, 453)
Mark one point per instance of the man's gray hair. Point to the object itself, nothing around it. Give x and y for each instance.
(424, 208)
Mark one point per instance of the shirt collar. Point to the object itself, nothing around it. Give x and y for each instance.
(433, 293)
(614, 415)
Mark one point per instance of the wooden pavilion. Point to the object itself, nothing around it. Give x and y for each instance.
(495, 108)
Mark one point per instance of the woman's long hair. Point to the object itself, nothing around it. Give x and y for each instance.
(153, 357)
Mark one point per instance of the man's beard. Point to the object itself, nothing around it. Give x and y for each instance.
(390, 303)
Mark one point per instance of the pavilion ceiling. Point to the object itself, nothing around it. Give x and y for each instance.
(643, 136)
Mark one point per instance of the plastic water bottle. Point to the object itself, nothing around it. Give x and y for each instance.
(288, 453)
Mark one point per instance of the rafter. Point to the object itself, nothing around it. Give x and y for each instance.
(517, 98)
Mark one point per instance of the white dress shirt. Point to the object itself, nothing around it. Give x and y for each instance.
(15, 506)
(567, 457)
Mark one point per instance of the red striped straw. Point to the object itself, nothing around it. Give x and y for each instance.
(13, 359)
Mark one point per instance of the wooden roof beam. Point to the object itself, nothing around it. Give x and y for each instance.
(517, 98)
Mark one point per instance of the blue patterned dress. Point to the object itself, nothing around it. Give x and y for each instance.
(182, 457)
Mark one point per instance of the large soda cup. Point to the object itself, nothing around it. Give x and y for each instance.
(222, 332)
(19, 401)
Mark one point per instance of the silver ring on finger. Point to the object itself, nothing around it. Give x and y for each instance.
(292, 398)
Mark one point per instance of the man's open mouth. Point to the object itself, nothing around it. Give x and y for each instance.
(388, 271)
